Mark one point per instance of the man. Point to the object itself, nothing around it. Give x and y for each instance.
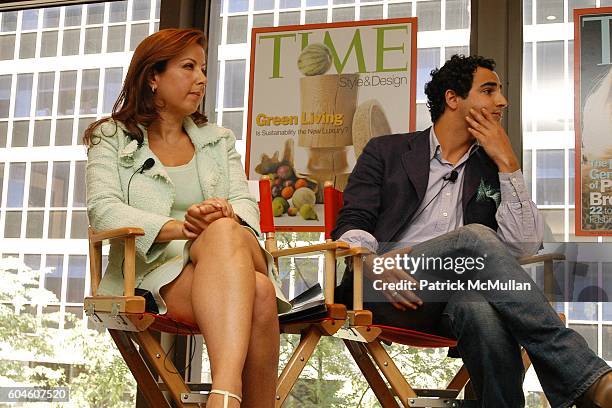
(455, 191)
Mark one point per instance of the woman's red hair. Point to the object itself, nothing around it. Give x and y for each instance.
(135, 103)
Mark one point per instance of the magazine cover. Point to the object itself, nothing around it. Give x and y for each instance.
(318, 93)
(593, 120)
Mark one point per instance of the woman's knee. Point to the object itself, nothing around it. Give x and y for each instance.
(264, 307)
(224, 231)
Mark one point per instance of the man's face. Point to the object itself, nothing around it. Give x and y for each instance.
(486, 92)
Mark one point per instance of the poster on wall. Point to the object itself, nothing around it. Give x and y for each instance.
(317, 94)
(593, 120)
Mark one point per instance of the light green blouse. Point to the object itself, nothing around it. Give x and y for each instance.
(188, 191)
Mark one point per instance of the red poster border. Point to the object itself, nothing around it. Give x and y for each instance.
(578, 14)
(413, 57)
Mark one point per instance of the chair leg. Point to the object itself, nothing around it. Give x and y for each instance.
(391, 372)
(459, 380)
(164, 367)
(526, 359)
(296, 364)
(371, 374)
(144, 378)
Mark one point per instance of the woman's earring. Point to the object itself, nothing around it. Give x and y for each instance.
(153, 88)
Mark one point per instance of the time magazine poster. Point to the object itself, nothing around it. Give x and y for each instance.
(318, 93)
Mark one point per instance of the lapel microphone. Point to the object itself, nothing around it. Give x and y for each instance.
(150, 162)
(451, 177)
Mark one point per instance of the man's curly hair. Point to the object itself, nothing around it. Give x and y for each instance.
(457, 74)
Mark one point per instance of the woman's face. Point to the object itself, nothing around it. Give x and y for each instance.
(181, 87)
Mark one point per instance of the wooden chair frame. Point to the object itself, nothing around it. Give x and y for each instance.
(133, 330)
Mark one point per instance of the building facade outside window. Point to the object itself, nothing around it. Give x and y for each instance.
(61, 68)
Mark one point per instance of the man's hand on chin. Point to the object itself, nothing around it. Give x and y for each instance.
(487, 129)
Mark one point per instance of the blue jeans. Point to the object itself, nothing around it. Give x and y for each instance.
(489, 325)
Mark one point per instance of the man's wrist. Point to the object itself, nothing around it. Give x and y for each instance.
(508, 166)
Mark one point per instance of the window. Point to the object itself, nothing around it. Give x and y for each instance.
(118, 11)
(428, 13)
(7, 47)
(550, 177)
(20, 133)
(76, 278)
(48, 44)
(23, 98)
(44, 100)
(234, 84)
(67, 87)
(3, 134)
(89, 91)
(78, 229)
(36, 222)
(63, 132)
(59, 186)
(73, 15)
(95, 13)
(9, 21)
(1, 179)
(27, 49)
(16, 184)
(112, 85)
(116, 39)
(457, 14)
(57, 224)
(139, 32)
(29, 20)
(5, 95)
(237, 29)
(51, 17)
(549, 11)
(429, 58)
(12, 224)
(53, 277)
(141, 9)
(93, 40)
(42, 132)
(78, 199)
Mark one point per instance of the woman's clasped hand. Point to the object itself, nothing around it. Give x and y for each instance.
(200, 216)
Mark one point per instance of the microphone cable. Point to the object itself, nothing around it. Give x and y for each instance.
(150, 162)
(449, 178)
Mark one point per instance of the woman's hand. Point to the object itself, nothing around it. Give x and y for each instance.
(221, 204)
(199, 216)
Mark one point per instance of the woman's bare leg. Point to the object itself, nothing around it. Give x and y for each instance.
(261, 366)
(221, 296)
(262, 355)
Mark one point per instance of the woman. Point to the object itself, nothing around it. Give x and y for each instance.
(157, 164)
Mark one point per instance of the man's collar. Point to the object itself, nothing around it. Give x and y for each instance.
(434, 145)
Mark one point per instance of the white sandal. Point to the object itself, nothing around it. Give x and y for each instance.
(226, 396)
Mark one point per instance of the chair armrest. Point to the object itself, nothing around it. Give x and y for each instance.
(310, 249)
(128, 234)
(526, 260)
(117, 233)
(548, 269)
(353, 252)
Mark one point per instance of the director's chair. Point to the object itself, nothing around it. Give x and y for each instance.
(367, 346)
(134, 330)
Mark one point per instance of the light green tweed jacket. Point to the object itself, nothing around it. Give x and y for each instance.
(113, 160)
